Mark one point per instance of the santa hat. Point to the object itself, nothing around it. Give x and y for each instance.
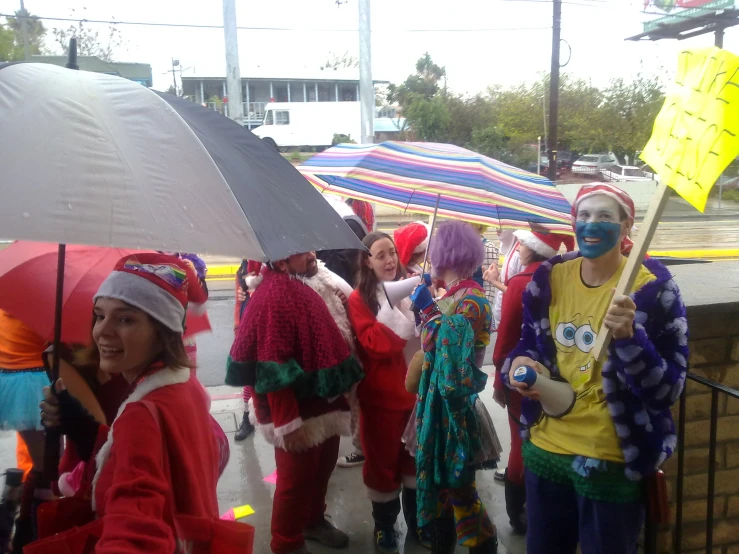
(619, 195)
(411, 239)
(156, 284)
(254, 274)
(543, 242)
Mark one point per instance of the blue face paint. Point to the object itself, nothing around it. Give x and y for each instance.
(608, 233)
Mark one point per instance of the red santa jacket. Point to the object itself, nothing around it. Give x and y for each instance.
(291, 351)
(511, 319)
(130, 488)
(383, 350)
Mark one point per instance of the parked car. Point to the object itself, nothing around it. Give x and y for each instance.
(620, 173)
(565, 160)
(593, 163)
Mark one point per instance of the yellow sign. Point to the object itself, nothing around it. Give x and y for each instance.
(696, 134)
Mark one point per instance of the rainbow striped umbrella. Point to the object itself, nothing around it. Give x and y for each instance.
(469, 186)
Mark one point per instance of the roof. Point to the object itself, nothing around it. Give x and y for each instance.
(389, 124)
(277, 72)
(134, 71)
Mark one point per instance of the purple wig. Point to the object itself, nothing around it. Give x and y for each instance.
(456, 247)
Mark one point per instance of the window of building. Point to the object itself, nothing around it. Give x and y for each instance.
(326, 92)
(348, 92)
(296, 92)
(268, 119)
(280, 92)
(310, 88)
(282, 117)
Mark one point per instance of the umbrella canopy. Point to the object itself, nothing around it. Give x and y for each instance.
(472, 187)
(28, 282)
(88, 158)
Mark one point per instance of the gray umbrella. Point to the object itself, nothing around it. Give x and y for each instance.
(89, 158)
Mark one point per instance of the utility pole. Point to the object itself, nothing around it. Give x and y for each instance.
(554, 90)
(175, 63)
(719, 37)
(24, 29)
(233, 73)
(366, 88)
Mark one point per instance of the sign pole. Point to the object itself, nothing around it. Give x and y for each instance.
(635, 260)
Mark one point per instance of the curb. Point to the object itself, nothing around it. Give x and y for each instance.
(227, 272)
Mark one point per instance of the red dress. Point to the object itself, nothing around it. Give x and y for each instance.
(509, 333)
(386, 406)
(131, 487)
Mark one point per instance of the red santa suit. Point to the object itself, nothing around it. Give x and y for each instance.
(291, 351)
(131, 489)
(386, 341)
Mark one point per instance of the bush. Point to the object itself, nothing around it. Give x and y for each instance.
(732, 195)
(342, 139)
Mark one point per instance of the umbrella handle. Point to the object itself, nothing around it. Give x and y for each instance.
(52, 435)
(431, 232)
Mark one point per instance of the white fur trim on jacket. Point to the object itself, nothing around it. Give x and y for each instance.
(319, 428)
(161, 378)
(326, 283)
(196, 309)
(399, 319)
(253, 281)
(378, 496)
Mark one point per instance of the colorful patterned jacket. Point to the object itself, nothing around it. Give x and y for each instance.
(642, 376)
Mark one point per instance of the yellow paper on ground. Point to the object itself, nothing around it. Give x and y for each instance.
(243, 511)
(696, 134)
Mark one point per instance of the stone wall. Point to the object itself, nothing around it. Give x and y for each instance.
(714, 354)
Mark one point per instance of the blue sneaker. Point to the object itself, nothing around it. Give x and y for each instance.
(386, 540)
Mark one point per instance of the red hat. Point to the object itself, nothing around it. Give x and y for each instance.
(544, 242)
(619, 195)
(157, 284)
(411, 239)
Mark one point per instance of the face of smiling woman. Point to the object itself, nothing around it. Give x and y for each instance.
(599, 228)
(126, 338)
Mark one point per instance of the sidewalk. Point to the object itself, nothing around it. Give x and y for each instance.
(253, 459)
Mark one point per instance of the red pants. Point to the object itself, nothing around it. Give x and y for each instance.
(515, 458)
(300, 496)
(388, 464)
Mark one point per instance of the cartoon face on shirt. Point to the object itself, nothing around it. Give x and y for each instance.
(577, 337)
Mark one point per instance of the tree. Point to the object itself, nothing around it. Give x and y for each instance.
(425, 83)
(89, 41)
(335, 61)
(11, 37)
(428, 118)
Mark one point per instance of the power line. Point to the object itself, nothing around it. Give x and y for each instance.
(306, 29)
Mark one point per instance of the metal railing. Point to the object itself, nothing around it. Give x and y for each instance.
(716, 389)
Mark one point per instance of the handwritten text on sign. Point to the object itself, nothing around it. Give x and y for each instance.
(696, 134)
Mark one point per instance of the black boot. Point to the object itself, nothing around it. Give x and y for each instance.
(410, 513)
(245, 429)
(515, 500)
(443, 536)
(488, 547)
(385, 515)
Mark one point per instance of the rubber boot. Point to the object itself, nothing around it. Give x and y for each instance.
(515, 500)
(385, 515)
(443, 536)
(410, 514)
(488, 547)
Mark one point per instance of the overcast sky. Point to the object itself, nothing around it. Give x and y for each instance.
(474, 58)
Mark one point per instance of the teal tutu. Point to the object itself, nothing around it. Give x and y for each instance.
(20, 396)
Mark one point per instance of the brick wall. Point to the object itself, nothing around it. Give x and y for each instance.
(714, 354)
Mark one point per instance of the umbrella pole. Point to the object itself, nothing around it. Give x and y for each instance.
(52, 435)
(431, 232)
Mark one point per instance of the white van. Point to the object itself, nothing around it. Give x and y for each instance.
(311, 124)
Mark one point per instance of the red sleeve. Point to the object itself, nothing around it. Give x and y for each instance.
(377, 340)
(284, 409)
(237, 307)
(133, 519)
(511, 318)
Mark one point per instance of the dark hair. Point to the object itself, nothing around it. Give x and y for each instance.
(173, 353)
(536, 257)
(366, 279)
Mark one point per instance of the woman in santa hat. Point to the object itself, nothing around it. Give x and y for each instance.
(386, 338)
(411, 241)
(534, 247)
(137, 332)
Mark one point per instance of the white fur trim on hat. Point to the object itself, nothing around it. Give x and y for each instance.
(146, 296)
(425, 242)
(527, 238)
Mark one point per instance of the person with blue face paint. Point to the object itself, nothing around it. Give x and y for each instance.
(584, 471)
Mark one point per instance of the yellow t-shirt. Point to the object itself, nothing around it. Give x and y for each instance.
(576, 315)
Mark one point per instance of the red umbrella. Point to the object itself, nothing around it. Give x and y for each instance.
(28, 275)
